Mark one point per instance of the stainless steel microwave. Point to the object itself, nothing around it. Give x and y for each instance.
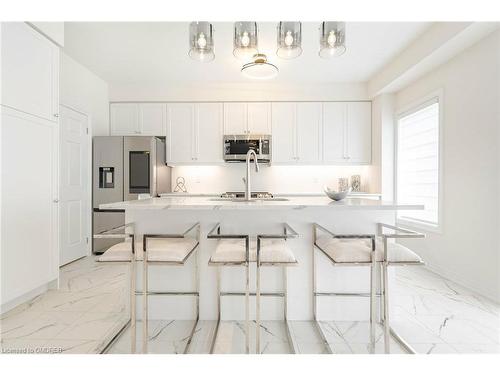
(237, 146)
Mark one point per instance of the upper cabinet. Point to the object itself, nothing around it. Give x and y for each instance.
(347, 133)
(194, 133)
(138, 118)
(247, 118)
(296, 133)
(30, 71)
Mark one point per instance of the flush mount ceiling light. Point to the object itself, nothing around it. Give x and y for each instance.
(332, 39)
(201, 41)
(245, 42)
(289, 40)
(259, 68)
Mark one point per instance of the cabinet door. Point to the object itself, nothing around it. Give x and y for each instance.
(235, 118)
(124, 119)
(152, 118)
(259, 118)
(334, 132)
(30, 246)
(180, 133)
(208, 133)
(359, 132)
(308, 133)
(283, 133)
(30, 71)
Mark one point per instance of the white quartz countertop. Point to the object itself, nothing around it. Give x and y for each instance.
(292, 202)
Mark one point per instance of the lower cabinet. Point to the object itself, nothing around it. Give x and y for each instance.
(29, 195)
(194, 133)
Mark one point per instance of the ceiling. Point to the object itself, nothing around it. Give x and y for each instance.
(157, 52)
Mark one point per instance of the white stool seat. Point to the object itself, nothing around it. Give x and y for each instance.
(271, 251)
(359, 250)
(158, 250)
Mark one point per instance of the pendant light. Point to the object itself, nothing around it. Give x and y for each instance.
(289, 40)
(245, 42)
(259, 68)
(201, 41)
(332, 39)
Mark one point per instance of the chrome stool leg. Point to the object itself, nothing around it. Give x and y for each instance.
(283, 236)
(247, 296)
(145, 289)
(372, 297)
(197, 291)
(133, 307)
(214, 339)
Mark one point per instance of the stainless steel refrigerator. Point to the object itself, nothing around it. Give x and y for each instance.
(123, 168)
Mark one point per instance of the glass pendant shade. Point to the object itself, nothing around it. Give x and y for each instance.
(259, 68)
(201, 41)
(289, 40)
(245, 43)
(332, 39)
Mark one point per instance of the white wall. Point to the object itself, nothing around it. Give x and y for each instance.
(467, 249)
(254, 91)
(84, 91)
(276, 179)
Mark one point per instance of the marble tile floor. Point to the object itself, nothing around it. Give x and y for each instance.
(432, 313)
(82, 316)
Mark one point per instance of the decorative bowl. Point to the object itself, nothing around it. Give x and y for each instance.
(335, 195)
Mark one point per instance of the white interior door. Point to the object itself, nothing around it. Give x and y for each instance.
(74, 197)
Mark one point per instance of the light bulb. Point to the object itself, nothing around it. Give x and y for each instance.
(245, 39)
(202, 41)
(331, 39)
(288, 39)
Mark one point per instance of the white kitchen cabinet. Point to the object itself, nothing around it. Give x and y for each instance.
(208, 133)
(259, 118)
(235, 118)
(347, 133)
(283, 130)
(296, 133)
(180, 133)
(30, 71)
(124, 119)
(138, 118)
(194, 133)
(247, 118)
(334, 132)
(29, 194)
(153, 118)
(359, 132)
(308, 123)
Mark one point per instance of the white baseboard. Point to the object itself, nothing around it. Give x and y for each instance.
(13, 303)
(464, 281)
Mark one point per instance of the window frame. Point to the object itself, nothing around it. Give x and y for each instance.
(436, 96)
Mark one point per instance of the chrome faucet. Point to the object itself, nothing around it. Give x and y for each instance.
(248, 192)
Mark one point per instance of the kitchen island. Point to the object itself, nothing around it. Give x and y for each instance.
(169, 215)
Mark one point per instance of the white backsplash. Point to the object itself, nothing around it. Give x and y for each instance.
(275, 179)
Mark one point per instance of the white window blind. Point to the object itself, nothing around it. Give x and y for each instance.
(417, 180)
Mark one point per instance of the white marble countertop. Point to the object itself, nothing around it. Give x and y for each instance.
(292, 202)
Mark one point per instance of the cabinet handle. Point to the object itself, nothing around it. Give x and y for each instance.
(55, 200)
(56, 114)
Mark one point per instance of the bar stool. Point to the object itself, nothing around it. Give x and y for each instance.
(158, 249)
(120, 253)
(240, 250)
(169, 250)
(272, 251)
(233, 250)
(394, 254)
(345, 250)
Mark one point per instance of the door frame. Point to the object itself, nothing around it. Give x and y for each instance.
(88, 216)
